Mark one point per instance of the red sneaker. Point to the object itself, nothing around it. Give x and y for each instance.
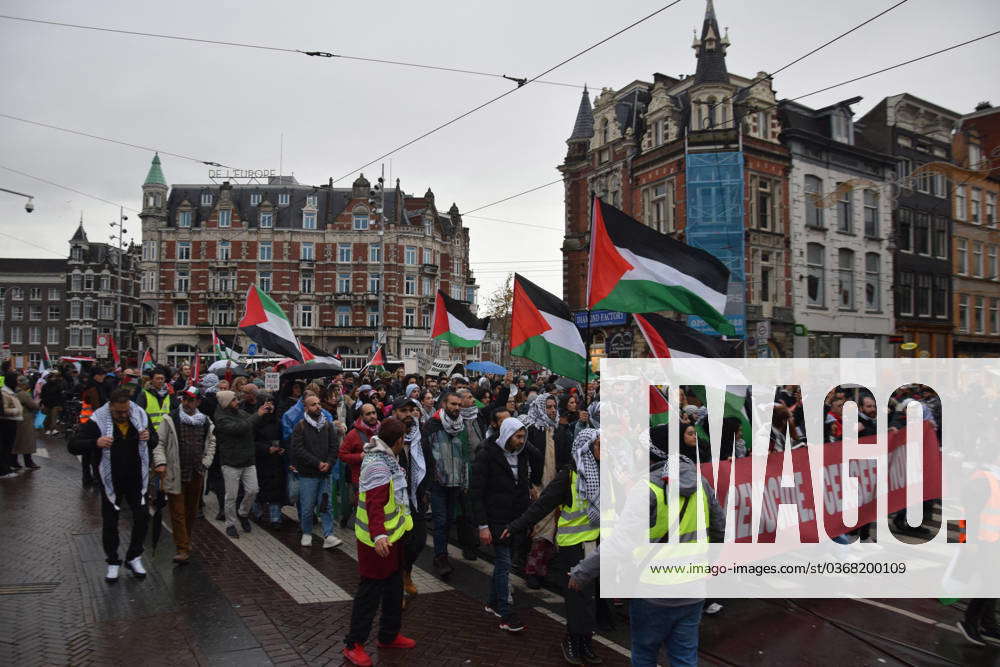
(356, 655)
(399, 642)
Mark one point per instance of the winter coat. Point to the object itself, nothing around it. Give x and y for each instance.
(52, 393)
(25, 441)
(270, 467)
(535, 445)
(497, 496)
(167, 451)
(370, 564)
(352, 450)
(311, 446)
(234, 437)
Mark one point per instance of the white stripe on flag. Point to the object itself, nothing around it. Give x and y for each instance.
(664, 274)
(462, 330)
(564, 334)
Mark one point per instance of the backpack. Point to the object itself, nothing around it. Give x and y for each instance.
(12, 408)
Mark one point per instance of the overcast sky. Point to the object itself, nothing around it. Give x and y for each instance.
(231, 105)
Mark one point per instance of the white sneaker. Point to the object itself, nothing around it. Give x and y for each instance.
(307, 540)
(713, 608)
(332, 541)
(112, 574)
(10, 475)
(136, 566)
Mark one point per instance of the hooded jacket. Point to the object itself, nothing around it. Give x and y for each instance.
(497, 496)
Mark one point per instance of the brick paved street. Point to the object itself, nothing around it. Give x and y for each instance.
(266, 600)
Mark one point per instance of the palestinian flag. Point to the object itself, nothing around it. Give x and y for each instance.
(313, 353)
(378, 359)
(114, 352)
(265, 324)
(147, 360)
(659, 409)
(636, 269)
(668, 338)
(455, 324)
(542, 329)
(222, 351)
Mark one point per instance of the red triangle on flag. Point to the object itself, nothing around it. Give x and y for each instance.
(306, 354)
(607, 266)
(657, 345)
(526, 320)
(440, 317)
(255, 313)
(378, 359)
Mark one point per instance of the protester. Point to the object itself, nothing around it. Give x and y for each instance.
(236, 453)
(52, 401)
(121, 431)
(352, 446)
(413, 458)
(546, 461)
(315, 444)
(11, 415)
(183, 379)
(383, 517)
(499, 492)
(186, 447)
(271, 462)
(24, 441)
(155, 397)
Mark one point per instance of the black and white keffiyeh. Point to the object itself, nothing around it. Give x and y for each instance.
(451, 426)
(317, 424)
(379, 466)
(537, 416)
(588, 473)
(418, 466)
(197, 419)
(106, 424)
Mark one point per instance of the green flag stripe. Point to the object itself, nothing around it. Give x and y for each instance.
(646, 296)
(559, 359)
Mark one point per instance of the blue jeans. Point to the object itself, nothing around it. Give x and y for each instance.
(654, 625)
(273, 511)
(446, 502)
(311, 490)
(500, 586)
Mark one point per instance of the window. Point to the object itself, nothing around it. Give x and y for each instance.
(815, 283)
(456, 267)
(923, 180)
(184, 219)
(980, 314)
(659, 206)
(74, 337)
(977, 203)
(305, 316)
(961, 256)
(35, 313)
(35, 294)
(940, 238)
(148, 283)
(409, 317)
(814, 192)
(871, 213)
(845, 214)
(428, 255)
(961, 206)
(311, 201)
(54, 312)
(34, 335)
(763, 124)
(360, 221)
(995, 316)
(183, 250)
(52, 336)
(283, 199)
(975, 156)
(223, 281)
(264, 251)
(410, 285)
(373, 316)
(105, 283)
(266, 220)
(182, 280)
(88, 282)
(375, 253)
(977, 259)
(842, 128)
(106, 310)
(470, 294)
(991, 265)
(17, 313)
(904, 296)
(922, 235)
(206, 199)
(425, 319)
(343, 316)
(991, 209)
(374, 282)
(75, 310)
(181, 315)
(76, 252)
(904, 224)
(264, 281)
(845, 279)
(223, 313)
(923, 295)
(306, 281)
(223, 252)
(343, 283)
(255, 199)
(410, 255)
(225, 217)
(87, 338)
(425, 286)
(309, 220)
(428, 227)
(308, 251)
(88, 310)
(963, 313)
(53, 294)
(16, 294)
(15, 336)
(904, 168)
(343, 252)
(148, 250)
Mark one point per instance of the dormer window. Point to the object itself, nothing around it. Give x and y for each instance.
(841, 127)
(283, 199)
(225, 217)
(184, 219)
(76, 253)
(255, 199)
(311, 201)
(206, 199)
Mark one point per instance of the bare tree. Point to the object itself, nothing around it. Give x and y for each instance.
(499, 305)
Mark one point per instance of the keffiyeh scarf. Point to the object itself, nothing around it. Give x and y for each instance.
(418, 467)
(317, 424)
(197, 419)
(379, 466)
(588, 482)
(536, 413)
(139, 419)
(451, 426)
(471, 412)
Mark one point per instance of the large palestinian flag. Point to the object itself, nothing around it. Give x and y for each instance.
(313, 353)
(265, 324)
(659, 409)
(542, 329)
(455, 324)
(636, 269)
(222, 351)
(669, 338)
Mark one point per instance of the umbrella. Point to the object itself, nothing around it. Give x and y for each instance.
(159, 501)
(568, 383)
(219, 367)
(310, 371)
(486, 367)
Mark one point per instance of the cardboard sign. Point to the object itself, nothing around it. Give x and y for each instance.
(271, 381)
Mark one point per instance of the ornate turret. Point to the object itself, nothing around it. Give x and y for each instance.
(79, 235)
(361, 187)
(154, 190)
(583, 129)
(710, 50)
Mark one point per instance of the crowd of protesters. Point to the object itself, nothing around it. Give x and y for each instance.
(497, 466)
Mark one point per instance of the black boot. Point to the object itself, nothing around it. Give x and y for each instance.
(571, 650)
(30, 462)
(587, 650)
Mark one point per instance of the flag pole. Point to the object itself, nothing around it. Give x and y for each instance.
(590, 334)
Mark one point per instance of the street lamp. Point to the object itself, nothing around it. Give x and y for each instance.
(29, 206)
(119, 242)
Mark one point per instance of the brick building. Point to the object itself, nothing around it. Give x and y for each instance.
(339, 272)
(33, 308)
(695, 157)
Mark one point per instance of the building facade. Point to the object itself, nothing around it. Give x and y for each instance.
(33, 309)
(347, 265)
(102, 296)
(693, 157)
(918, 134)
(976, 239)
(841, 229)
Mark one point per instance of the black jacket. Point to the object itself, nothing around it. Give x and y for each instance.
(497, 497)
(84, 443)
(557, 493)
(536, 452)
(310, 447)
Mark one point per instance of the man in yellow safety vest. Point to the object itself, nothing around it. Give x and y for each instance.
(155, 398)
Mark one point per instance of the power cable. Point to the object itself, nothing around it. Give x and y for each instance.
(20, 240)
(514, 222)
(505, 94)
(66, 187)
(318, 54)
(500, 201)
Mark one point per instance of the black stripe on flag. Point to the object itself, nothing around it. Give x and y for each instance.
(544, 301)
(461, 312)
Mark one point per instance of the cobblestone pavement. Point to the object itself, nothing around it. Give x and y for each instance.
(264, 599)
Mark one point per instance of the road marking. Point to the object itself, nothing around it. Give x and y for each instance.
(597, 638)
(284, 566)
(908, 614)
(455, 553)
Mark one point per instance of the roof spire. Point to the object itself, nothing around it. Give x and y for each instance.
(711, 50)
(79, 235)
(583, 128)
(155, 175)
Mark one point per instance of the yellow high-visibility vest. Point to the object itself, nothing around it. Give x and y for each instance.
(155, 409)
(574, 526)
(397, 519)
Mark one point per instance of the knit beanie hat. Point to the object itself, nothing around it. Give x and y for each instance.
(225, 398)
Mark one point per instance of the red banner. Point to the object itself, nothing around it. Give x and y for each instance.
(800, 495)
